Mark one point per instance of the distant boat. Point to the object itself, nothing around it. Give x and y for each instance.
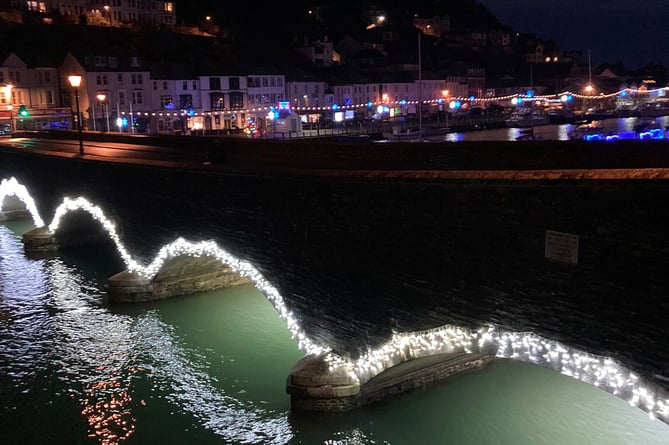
(435, 131)
(654, 109)
(527, 117)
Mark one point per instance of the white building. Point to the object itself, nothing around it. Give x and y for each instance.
(114, 88)
(177, 105)
(34, 88)
(224, 101)
(308, 98)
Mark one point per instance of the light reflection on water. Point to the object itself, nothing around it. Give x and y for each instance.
(212, 367)
(549, 132)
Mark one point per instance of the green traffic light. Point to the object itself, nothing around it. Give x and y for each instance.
(23, 111)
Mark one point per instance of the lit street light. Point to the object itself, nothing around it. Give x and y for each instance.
(106, 7)
(75, 81)
(102, 98)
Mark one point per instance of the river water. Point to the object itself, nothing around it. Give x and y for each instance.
(552, 132)
(211, 369)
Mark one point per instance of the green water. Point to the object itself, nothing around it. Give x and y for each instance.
(211, 369)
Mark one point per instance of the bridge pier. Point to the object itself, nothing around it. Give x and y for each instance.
(313, 386)
(39, 241)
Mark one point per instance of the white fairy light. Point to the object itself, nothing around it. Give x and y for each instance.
(11, 187)
(602, 372)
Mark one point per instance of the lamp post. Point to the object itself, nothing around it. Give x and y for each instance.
(106, 8)
(75, 81)
(10, 106)
(589, 89)
(102, 98)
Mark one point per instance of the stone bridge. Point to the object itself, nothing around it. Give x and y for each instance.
(436, 249)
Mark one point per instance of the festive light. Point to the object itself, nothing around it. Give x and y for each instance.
(528, 347)
(11, 187)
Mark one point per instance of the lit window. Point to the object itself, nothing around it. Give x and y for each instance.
(167, 102)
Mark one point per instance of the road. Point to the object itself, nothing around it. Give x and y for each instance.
(109, 151)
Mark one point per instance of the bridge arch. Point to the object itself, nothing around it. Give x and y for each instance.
(183, 256)
(15, 199)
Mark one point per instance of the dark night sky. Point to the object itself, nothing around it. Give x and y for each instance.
(635, 32)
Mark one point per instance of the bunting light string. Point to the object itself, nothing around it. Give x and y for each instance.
(11, 187)
(599, 371)
(444, 100)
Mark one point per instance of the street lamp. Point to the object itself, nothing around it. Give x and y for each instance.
(75, 81)
(10, 107)
(589, 89)
(102, 98)
(106, 7)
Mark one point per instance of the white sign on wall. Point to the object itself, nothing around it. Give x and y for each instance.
(561, 247)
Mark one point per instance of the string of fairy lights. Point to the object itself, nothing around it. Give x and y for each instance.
(602, 372)
(452, 102)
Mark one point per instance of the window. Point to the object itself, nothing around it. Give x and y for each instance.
(164, 84)
(99, 61)
(119, 78)
(265, 82)
(234, 83)
(121, 97)
(184, 85)
(136, 79)
(194, 85)
(169, 6)
(155, 85)
(185, 101)
(137, 97)
(217, 101)
(167, 102)
(236, 100)
(47, 77)
(253, 82)
(214, 83)
(98, 79)
(49, 97)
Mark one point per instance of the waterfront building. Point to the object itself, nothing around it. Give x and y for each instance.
(224, 99)
(308, 98)
(265, 91)
(177, 105)
(32, 88)
(122, 80)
